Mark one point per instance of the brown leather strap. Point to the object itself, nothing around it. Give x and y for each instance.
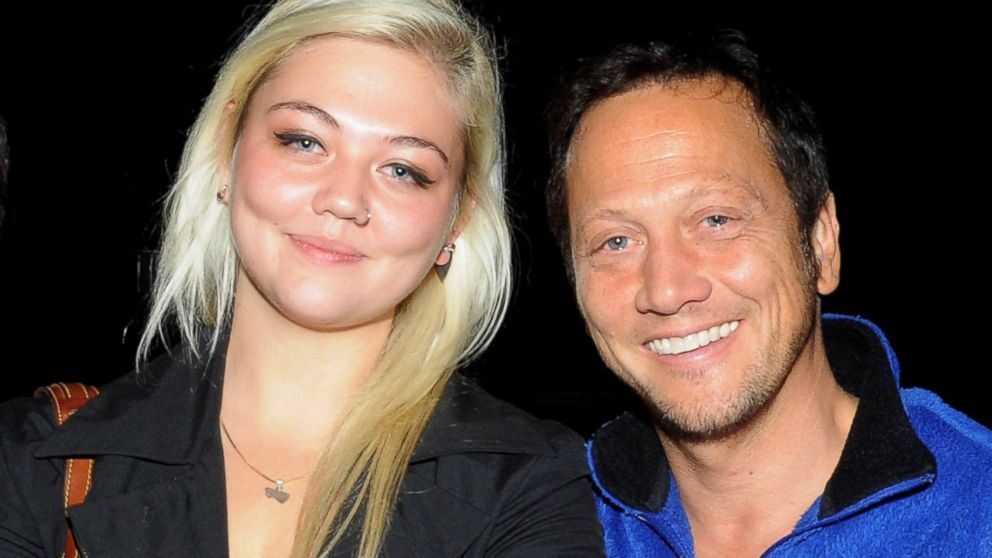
(66, 399)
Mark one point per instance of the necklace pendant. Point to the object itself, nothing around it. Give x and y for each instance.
(277, 493)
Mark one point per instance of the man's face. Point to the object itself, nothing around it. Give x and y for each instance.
(687, 254)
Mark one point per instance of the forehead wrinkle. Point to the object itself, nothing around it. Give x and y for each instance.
(652, 135)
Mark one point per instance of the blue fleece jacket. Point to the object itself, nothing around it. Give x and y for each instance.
(914, 477)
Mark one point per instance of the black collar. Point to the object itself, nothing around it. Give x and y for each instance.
(168, 491)
(881, 450)
(184, 394)
(177, 393)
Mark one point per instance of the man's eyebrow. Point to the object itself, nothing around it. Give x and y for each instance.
(727, 182)
(600, 215)
(306, 107)
(412, 141)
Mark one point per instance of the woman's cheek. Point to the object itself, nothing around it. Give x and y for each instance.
(416, 229)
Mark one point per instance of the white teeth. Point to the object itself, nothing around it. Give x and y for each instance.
(691, 342)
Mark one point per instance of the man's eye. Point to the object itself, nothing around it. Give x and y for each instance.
(617, 243)
(716, 221)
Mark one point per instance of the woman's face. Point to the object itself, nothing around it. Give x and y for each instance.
(344, 182)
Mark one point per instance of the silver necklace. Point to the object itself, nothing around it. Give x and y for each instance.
(278, 493)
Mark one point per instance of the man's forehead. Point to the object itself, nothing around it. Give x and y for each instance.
(658, 144)
(661, 108)
(702, 119)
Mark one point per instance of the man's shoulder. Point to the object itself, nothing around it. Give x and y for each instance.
(962, 446)
(944, 428)
(954, 512)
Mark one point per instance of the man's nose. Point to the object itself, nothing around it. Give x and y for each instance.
(343, 189)
(672, 276)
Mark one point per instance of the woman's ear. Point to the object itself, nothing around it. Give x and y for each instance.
(227, 134)
(464, 216)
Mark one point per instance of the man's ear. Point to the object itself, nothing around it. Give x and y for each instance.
(826, 247)
(464, 215)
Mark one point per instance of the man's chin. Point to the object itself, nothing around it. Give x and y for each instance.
(715, 423)
(698, 429)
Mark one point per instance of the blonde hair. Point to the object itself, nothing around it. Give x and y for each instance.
(438, 327)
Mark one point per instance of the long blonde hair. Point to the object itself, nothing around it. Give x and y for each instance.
(438, 327)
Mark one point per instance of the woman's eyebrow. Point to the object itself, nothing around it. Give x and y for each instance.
(320, 113)
(306, 107)
(422, 143)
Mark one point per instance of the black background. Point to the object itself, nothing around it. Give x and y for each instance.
(98, 101)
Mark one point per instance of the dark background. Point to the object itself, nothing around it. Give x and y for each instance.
(98, 113)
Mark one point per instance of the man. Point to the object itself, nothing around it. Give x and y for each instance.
(689, 192)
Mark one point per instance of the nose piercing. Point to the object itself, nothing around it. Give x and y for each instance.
(368, 217)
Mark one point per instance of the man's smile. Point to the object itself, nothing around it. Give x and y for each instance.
(693, 341)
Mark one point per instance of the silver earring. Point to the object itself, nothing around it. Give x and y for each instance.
(442, 270)
(221, 193)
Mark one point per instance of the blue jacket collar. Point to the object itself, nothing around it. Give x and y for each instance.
(881, 450)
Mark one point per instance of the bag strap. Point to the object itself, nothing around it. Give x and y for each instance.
(66, 400)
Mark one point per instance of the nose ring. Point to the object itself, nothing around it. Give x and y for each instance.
(368, 217)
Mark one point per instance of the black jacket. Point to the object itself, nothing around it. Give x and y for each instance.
(486, 479)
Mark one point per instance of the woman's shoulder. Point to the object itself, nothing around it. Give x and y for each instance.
(490, 479)
(468, 419)
(122, 411)
(28, 424)
(25, 422)
(30, 503)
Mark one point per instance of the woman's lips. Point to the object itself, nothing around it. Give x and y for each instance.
(324, 249)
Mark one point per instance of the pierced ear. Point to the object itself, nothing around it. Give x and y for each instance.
(826, 247)
(227, 121)
(470, 203)
(444, 256)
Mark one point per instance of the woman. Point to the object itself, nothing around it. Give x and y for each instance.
(335, 245)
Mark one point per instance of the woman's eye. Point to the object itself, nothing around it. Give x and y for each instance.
(617, 243)
(300, 142)
(717, 221)
(405, 173)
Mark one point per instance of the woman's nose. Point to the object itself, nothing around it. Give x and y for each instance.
(342, 192)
